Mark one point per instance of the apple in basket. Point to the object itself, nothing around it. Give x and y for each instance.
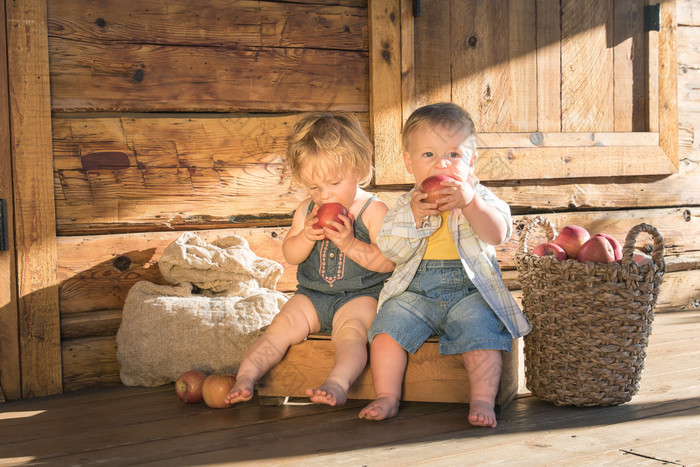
(617, 248)
(571, 238)
(641, 258)
(596, 250)
(328, 213)
(432, 185)
(215, 388)
(544, 249)
(188, 386)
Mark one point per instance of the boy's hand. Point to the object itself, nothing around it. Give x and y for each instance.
(311, 234)
(345, 235)
(460, 194)
(422, 209)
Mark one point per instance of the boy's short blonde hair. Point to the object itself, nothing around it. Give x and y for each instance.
(335, 140)
(444, 114)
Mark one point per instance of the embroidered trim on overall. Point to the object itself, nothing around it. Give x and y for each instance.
(340, 268)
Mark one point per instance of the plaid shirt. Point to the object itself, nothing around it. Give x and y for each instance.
(405, 244)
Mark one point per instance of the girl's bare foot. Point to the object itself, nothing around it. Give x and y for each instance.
(481, 413)
(330, 393)
(241, 391)
(381, 408)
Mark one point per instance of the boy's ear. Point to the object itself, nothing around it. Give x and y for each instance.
(407, 162)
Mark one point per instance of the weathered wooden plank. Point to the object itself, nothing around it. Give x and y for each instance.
(522, 48)
(668, 82)
(652, 80)
(587, 66)
(480, 67)
(408, 58)
(629, 70)
(433, 54)
(146, 77)
(10, 378)
(90, 324)
(385, 89)
(548, 66)
(215, 23)
(687, 13)
(90, 362)
(35, 224)
(565, 140)
(573, 162)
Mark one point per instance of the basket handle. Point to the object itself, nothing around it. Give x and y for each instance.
(537, 221)
(628, 249)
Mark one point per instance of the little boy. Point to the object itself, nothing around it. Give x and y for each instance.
(447, 281)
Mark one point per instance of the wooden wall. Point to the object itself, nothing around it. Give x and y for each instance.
(172, 116)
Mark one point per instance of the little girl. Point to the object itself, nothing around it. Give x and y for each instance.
(341, 272)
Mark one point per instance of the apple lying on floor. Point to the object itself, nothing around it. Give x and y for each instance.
(571, 238)
(549, 248)
(215, 388)
(596, 250)
(432, 185)
(328, 213)
(188, 386)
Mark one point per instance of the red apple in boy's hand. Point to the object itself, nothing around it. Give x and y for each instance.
(328, 213)
(614, 243)
(188, 386)
(431, 185)
(596, 250)
(545, 249)
(570, 238)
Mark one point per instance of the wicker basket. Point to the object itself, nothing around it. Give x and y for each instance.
(591, 322)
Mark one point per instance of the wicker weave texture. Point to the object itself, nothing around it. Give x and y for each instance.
(591, 322)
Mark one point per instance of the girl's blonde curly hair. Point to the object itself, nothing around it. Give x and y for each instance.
(334, 141)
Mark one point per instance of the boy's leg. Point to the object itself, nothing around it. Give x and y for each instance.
(349, 335)
(484, 372)
(388, 361)
(293, 323)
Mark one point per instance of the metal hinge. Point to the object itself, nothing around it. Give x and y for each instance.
(4, 241)
(416, 7)
(652, 17)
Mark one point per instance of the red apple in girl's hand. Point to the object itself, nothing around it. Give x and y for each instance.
(215, 389)
(614, 243)
(328, 213)
(596, 250)
(570, 238)
(188, 386)
(431, 185)
(545, 249)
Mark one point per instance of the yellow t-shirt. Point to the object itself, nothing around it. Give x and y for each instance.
(441, 245)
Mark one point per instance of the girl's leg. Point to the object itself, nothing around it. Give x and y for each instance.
(293, 323)
(388, 360)
(349, 335)
(484, 372)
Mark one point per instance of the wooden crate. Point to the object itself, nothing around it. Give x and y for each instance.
(430, 377)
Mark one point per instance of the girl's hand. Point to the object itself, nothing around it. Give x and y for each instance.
(422, 209)
(459, 196)
(311, 234)
(345, 236)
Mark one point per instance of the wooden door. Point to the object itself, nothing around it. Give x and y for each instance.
(9, 346)
(557, 89)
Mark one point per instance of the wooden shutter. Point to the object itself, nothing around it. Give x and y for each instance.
(557, 89)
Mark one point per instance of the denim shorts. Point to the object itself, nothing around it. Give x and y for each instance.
(441, 300)
(327, 304)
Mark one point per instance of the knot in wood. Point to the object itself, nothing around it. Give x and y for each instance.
(121, 263)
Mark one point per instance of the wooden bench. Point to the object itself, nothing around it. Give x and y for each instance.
(430, 377)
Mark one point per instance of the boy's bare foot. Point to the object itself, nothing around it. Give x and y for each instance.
(481, 413)
(330, 393)
(241, 391)
(381, 408)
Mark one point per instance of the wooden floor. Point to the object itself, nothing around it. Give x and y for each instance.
(137, 426)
